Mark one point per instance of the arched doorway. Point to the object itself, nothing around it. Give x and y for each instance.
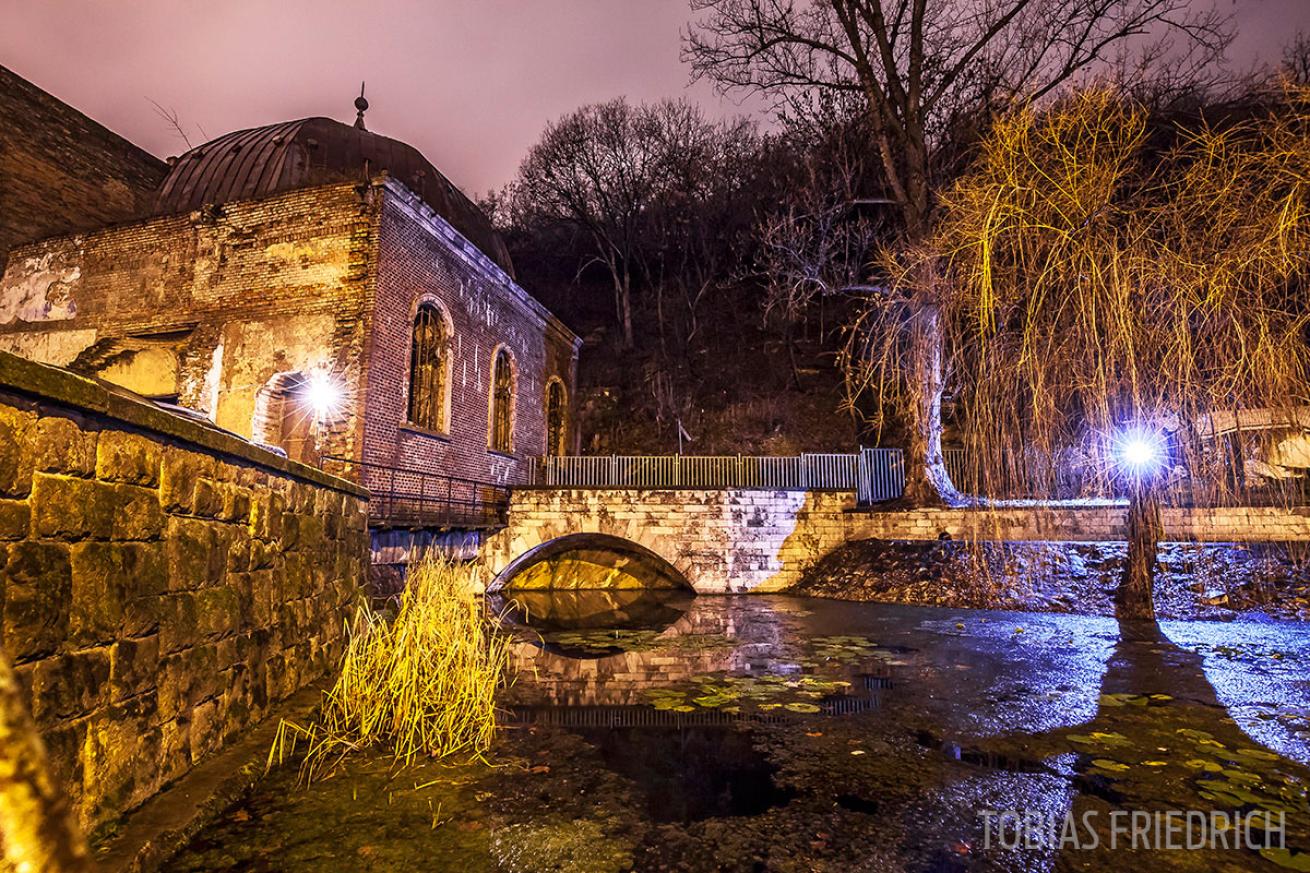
(284, 418)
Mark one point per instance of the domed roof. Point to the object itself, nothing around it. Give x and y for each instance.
(249, 164)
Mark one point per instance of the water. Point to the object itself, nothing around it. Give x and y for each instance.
(651, 731)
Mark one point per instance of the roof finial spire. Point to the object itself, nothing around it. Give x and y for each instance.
(361, 106)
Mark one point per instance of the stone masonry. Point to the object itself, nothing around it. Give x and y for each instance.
(739, 540)
(163, 584)
(720, 541)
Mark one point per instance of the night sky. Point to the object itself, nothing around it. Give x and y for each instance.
(470, 83)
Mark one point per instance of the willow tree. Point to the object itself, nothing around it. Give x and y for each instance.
(1112, 286)
(927, 75)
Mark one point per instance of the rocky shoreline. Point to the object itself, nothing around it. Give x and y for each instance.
(1209, 581)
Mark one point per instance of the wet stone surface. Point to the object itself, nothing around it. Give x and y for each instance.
(792, 734)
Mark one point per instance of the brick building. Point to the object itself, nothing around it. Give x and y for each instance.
(313, 286)
(61, 171)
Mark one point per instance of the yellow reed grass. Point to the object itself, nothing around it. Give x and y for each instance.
(421, 684)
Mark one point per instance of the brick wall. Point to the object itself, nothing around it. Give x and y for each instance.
(61, 171)
(736, 540)
(238, 295)
(421, 258)
(325, 278)
(163, 584)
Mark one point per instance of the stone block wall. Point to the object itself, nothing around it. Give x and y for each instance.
(162, 584)
(719, 540)
(741, 540)
(1073, 522)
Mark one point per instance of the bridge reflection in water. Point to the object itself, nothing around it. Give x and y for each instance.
(598, 664)
(594, 657)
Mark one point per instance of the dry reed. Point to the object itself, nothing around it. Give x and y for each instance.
(420, 684)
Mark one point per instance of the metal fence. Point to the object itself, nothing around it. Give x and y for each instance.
(808, 472)
(881, 475)
(406, 497)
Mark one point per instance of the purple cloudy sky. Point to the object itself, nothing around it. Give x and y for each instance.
(468, 82)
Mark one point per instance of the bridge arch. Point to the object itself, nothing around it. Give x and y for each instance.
(580, 561)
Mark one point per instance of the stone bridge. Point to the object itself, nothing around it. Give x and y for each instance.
(742, 540)
(714, 540)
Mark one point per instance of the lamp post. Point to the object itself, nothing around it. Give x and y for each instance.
(1140, 454)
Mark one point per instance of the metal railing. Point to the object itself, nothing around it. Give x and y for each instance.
(881, 475)
(808, 472)
(408, 497)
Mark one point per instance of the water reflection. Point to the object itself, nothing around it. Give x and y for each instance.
(692, 773)
(951, 713)
(547, 611)
(650, 732)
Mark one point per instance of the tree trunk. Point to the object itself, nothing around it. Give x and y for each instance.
(926, 480)
(36, 824)
(625, 298)
(1135, 598)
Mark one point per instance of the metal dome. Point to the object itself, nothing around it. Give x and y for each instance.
(254, 163)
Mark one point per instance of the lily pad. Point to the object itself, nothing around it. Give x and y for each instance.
(1201, 764)
(1107, 764)
(802, 707)
(1258, 754)
(1287, 859)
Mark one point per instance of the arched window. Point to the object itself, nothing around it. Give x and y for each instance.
(427, 369)
(557, 431)
(502, 402)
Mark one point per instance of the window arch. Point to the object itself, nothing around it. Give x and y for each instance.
(557, 425)
(502, 401)
(429, 367)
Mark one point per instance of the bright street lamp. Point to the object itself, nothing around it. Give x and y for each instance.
(324, 395)
(1140, 452)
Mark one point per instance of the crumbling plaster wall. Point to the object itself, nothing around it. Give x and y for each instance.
(240, 294)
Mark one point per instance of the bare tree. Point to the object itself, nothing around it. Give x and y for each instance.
(1296, 60)
(174, 121)
(695, 222)
(923, 70)
(815, 244)
(598, 168)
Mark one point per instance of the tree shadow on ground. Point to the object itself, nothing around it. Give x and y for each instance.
(1163, 741)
